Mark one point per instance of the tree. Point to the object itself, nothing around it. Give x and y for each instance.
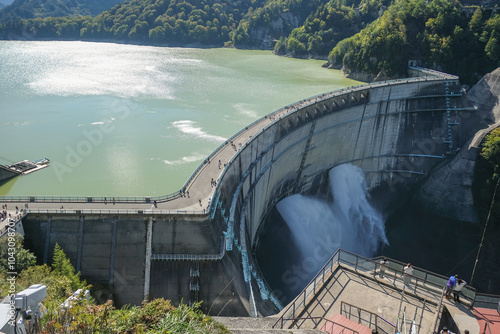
(13, 257)
(492, 49)
(295, 47)
(62, 265)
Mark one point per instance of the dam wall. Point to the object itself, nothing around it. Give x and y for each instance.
(395, 131)
(180, 259)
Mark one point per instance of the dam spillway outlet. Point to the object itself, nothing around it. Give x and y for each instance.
(318, 227)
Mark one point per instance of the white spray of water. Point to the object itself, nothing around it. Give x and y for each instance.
(349, 222)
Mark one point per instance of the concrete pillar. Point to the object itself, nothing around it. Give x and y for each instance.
(147, 264)
(112, 254)
(47, 240)
(80, 246)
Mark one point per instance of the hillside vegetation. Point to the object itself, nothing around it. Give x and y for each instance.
(371, 38)
(31, 9)
(439, 35)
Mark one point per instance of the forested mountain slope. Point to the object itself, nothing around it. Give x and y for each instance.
(29, 9)
(368, 38)
(330, 23)
(439, 35)
(155, 22)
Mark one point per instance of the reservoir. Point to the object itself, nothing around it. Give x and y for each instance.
(126, 120)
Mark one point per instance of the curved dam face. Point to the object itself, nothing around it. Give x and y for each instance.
(395, 132)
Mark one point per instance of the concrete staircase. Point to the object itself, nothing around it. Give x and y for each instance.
(248, 325)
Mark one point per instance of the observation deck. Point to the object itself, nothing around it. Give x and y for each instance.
(352, 287)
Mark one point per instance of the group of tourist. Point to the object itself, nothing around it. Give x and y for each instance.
(407, 271)
(4, 214)
(454, 284)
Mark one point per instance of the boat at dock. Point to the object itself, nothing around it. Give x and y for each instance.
(22, 168)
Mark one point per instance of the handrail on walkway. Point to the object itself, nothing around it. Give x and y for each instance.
(317, 320)
(153, 212)
(379, 328)
(489, 301)
(422, 279)
(428, 277)
(438, 311)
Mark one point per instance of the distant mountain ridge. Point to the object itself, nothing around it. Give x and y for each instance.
(32, 9)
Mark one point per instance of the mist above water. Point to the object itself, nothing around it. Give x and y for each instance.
(349, 222)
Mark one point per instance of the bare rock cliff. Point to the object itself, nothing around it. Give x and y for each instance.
(448, 190)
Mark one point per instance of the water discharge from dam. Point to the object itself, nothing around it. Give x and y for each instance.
(349, 221)
(317, 228)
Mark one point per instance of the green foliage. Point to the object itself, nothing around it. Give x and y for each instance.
(84, 316)
(62, 266)
(295, 47)
(491, 153)
(437, 34)
(332, 22)
(155, 22)
(367, 36)
(11, 249)
(274, 18)
(280, 47)
(58, 287)
(32, 9)
(157, 316)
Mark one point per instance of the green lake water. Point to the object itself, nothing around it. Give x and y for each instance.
(125, 120)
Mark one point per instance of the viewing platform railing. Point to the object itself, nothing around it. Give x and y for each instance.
(366, 318)
(422, 280)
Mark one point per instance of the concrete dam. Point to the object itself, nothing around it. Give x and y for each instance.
(199, 244)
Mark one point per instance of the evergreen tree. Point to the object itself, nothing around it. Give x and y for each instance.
(62, 265)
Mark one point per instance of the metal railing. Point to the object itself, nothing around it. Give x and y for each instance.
(438, 311)
(425, 279)
(328, 327)
(489, 301)
(90, 199)
(487, 329)
(299, 303)
(115, 211)
(192, 257)
(421, 279)
(360, 316)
